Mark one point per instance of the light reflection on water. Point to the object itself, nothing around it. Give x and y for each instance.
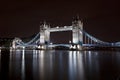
(60, 65)
(76, 68)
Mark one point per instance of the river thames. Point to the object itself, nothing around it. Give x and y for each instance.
(59, 65)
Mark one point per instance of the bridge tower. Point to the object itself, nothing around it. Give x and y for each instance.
(77, 32)
(15, 42)
(44, 35)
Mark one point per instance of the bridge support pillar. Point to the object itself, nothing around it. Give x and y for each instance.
(76, 47)
(42, 47)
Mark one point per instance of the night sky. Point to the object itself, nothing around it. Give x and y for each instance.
(22, 18)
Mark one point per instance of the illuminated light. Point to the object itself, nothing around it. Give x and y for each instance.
(71, 47)
(96, 40)
(23, 64)
(41, 63)
(69, 41)
(74, 47)
(39, 47)
(65, 26)
(0, 50)
(80, 32)
(11, 49)
(75, 39)
(23, 47)
(89, 52)
(57, 27)
(51, 43)
(78, 46)
(42, 39)
(42, 47)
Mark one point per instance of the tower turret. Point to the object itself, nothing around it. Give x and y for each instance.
(77, 23)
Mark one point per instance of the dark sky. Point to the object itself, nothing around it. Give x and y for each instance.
(64, 39)
(101, 18)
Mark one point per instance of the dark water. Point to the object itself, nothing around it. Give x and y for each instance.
(59, 65)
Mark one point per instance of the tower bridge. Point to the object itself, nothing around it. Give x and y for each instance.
(72, 37)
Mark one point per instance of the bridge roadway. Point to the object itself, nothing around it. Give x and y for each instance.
(100, 45)
(69, 45)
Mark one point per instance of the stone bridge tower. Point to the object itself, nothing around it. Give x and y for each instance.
(77, 31)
